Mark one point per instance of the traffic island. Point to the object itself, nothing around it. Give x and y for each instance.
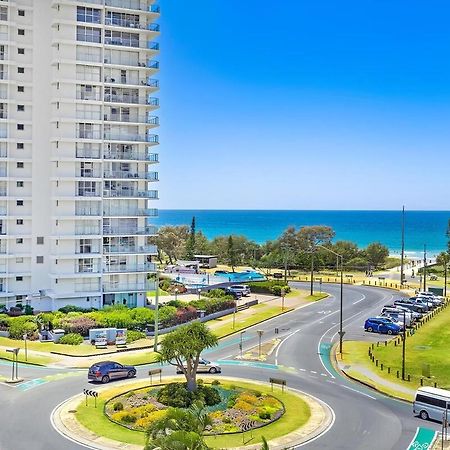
(297, 416)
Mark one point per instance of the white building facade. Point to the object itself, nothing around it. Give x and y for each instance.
(77, 151)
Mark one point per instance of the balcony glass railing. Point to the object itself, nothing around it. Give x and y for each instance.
(88, 57)
(146, 231)
(87, 230)
(83, 95)
(89, 115)
(147, 249)
(87, 212)
(133, 118)
(149, 176)
(87, 134)
(127, 287)
(124, 193)
(130, 4)
(150, 138)
(132, 156)
(87, 194)
(89, 153)
(135, 43)
(122, 268)
(130, 212)
(149, 82)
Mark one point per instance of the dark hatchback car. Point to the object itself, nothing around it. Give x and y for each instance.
(109, 370)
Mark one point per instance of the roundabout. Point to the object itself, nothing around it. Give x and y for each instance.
(362, 419)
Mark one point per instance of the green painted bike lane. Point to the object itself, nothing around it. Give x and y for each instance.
(423, 439)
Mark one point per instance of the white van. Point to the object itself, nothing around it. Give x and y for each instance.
(431, 403)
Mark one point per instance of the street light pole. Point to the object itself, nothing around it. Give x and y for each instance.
(425, 267)
(240, 344)
(404, 346)
(260, 333)
(403, 248)
(155, 338)
(283, 293)
(312, 273)
(445, 278)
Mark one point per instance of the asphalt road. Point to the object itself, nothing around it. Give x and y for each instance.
(364, 419)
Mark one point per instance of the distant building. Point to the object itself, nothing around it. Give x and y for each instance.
(206, 261)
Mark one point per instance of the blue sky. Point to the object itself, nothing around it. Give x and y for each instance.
(304, 104)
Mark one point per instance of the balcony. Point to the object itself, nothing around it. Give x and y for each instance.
(132, 99)
(122, 61)
(120, 174)
(132, 118)
(87, 270)
(122, 268)
(89, 153)
(149, 138)
(133, 24)
(135, 249)
(87, 57)
(130, 193)
(87, 173)
(130, 4)
(127, 287)
(88, 288)
(87, 194)
(147, 82)
(89, 95)
(3, 193)
(132, 156)
(129, 212)
(87, 211)
(87, 231)
(89, 134)
(129, 231)
(134, 43)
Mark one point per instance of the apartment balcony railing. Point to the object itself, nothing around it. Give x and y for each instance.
(87, 194)
(87, 134)
(130, 212)
(134, 99)
(121, 174)
(145, 249)
(87, 212)
(130, 4)
(149, 82)
(150, 138)
(92, 251)
(3, 114)
(122, 268)
(96, 96)
(88, 270)
(3, 75)
(134, 24)
(89, 115)
(3, 153)
(87, 57)
(127, 287)
(132, 156)
(133, 118)
(87, 230)
(3, 211)
(4, 36)
(125, 231)
(122, 61)
(89, 287)
(91, 153)
(135, 43)
(125, 193)
(3, 172)
(84, 173)
(3, 193)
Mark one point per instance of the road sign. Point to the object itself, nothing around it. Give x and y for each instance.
(279, 381)
(154, 372)
(341, 333)
(90, 393)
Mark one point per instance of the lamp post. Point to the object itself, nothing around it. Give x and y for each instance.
(260, 333)
(176, 293)
(404, 345)
(341, 331)
(425, 267)
(25, 337)
(445, 277)
(155, 339)
(198, 291)
(283, 293)
(240, 344)
(234, 315)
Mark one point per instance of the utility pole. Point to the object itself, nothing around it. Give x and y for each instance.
(341, 332)
(425, 267)
(155, 340)
(445, 277)
(404, 346)
(312, 273)
(285, 264)
(403, 248)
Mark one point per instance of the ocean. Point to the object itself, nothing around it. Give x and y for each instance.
(361, 227)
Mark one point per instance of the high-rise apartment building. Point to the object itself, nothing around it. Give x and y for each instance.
(77, 151)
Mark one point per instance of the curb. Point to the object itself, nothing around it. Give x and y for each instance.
(64, 422)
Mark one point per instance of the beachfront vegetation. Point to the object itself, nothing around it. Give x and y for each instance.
(294, 249)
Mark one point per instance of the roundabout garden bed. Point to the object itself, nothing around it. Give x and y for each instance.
(231, 408)
(296, 412)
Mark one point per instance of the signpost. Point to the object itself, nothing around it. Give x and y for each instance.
(89, 393)
(15, 367)
(260, 333)
(154, 372)
(283, 293)
(278, 381)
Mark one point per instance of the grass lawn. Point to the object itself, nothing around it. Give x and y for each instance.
(32, 359)
(227, 328)
(161, 293)
(296, 415)
(147, 357)
(316, 297)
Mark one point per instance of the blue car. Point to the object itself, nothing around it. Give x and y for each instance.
(381, 325)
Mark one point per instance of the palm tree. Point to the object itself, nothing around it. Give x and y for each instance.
(179, 429)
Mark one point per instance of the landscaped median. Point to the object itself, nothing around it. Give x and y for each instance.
(427, 358)
(304, 417)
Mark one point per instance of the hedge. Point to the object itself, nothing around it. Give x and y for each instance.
(269, 287)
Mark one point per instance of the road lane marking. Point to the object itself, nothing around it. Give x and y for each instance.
(360, 300)
(282, 342)
(356, 390)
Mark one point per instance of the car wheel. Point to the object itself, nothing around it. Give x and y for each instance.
(424, 415)
(369, 329)
(213, 370)
(131, 373)
(389, 331)
(105, 379)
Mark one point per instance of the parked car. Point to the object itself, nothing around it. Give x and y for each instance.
(397, 318)
(427, 304)
(431, 297)
(205, 366)
(410, 305)
(237, 295)
(381, 325)
(242, 288)
(109, 370)
(414, 314)
(431, 294)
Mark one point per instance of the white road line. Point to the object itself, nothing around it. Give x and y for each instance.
(356, 390)
(324, 374)
(302, 370)
(281, 343)
(313, 371)
(360, 300)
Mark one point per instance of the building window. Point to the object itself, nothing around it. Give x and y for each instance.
(20, 89)
(19, 222)
(21, 51)
(19, 278)
(3, 13)
(90, 15)
(39, 260)
(40, 240)
(19, 184)
(21, 32)
(89, 34)
(20, 107)
(20, 165)
(20, 70)
(85, 265)
(19, 241)
(19, 260)
(85, 246)
(20, 126)
(21, 12)
(20, 146)
(19, 202)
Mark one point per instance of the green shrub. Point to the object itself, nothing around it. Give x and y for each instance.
(130, 394)
(118, 406)
(177, 395)
(134, 336)
(71, 339)
(72, 308)
(18, 326)
(264, 415)
(269, 287)
(215, 383)
(28, 310)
